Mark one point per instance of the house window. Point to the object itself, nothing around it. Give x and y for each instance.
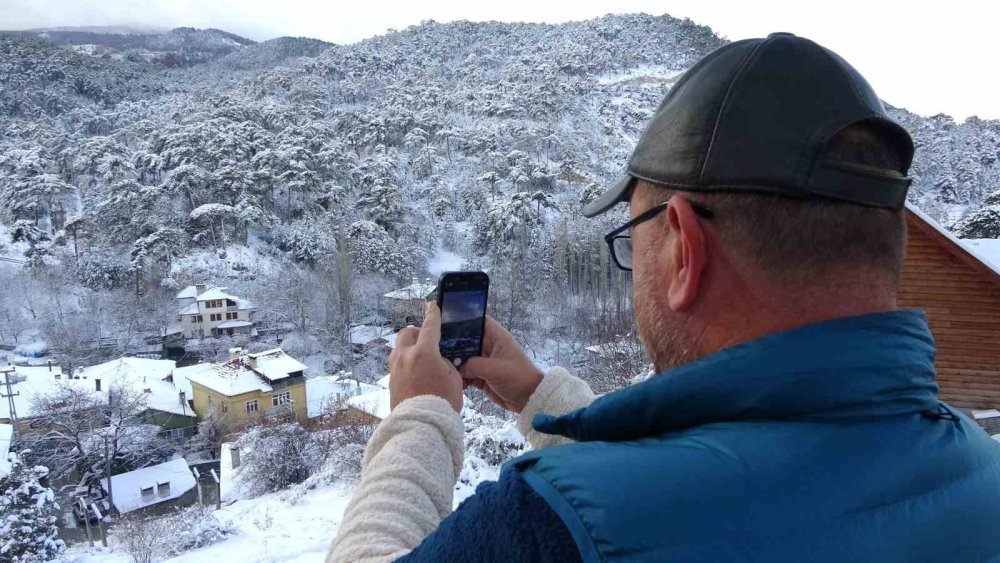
(198, 318)
(175, 433)
(281, 399)
(215, 316)
(211, 402)
(225, 406)
(232, 316)
(252, 406)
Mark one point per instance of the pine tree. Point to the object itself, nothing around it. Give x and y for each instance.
(27, 523)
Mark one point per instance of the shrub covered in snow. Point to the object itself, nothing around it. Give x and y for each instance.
(150, 538)
(27, 515)
(492, 439)
(274, 458)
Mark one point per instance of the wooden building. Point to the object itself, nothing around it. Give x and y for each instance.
(960, 291)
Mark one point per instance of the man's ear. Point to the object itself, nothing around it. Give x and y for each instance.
(688, 252)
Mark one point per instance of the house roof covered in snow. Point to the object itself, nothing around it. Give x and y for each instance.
(29, 382)
(322, 390)
(235, 324)
(980, 256)
(383, 381)
(216, 293)
(416, 290)
(375, 403)
(189, 309)
(141, 375)
(6, 437)
(189, 292)
(150, 485)
(244, 374)
(366, 334)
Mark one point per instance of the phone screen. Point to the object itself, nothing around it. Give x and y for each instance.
(463, 312)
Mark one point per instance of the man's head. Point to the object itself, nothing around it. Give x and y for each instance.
(805, 200)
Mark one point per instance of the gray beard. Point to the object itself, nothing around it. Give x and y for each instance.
(665, 339)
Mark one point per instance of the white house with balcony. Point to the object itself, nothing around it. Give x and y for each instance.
(210, 311)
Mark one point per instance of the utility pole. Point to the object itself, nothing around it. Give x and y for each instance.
(6, 371)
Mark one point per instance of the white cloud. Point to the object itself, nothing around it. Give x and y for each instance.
(929, 57)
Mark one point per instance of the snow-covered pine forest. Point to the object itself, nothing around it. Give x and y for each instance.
(312, 178)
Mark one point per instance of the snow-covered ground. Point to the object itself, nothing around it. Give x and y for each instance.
(298, 524)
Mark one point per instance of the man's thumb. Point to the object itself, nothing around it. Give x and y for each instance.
(478, 367)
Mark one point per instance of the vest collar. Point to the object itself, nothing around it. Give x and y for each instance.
(880, 364)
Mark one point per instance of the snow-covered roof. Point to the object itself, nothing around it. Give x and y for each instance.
(375, 403)
(988, 248)
(276, 364)
(127, 487)
(320, 390)
(365, 334)
(189, 292)
(973, 250)
(989, 413)
(189, 309)
(141, 375)
(6, 436)
(416, 290)
(244, 374)
(383, 381)
(29, 382)
(390, 340)
(243, 304)
(235, 324)
(215, 293)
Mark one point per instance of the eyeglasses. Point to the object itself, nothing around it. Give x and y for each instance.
(620, 244)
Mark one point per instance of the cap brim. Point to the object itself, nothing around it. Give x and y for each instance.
(617, 194)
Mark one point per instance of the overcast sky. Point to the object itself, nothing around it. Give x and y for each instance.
(930, 57)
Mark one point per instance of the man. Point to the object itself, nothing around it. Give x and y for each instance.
(795, 416)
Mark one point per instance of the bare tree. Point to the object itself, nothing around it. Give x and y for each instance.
(80, 431)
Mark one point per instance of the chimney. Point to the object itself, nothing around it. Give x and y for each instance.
(50, 365)
(200, 288)
(97, 384)
(183, 397)
(235, 353)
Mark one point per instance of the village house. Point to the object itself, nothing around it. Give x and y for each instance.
(405, 306)
(150, 486)
(959, 288)
(328, 396)
(368, 337)
(166, 406)
(144, 379)
(210, 311)
(247, 387)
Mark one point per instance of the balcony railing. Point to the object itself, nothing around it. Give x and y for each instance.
(282, 410)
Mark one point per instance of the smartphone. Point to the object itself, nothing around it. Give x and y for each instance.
(461, 296)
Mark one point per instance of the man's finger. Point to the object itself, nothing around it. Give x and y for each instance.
(407, 337)
(477, 367)
(430, 332)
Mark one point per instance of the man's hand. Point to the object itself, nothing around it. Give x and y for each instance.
(416, 366)
(503, 372)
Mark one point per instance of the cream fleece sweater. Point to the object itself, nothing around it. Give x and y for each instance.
(413, 461)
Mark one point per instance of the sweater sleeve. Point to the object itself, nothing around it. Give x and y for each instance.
(504, 521)
(557, 394)
(408, 476)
